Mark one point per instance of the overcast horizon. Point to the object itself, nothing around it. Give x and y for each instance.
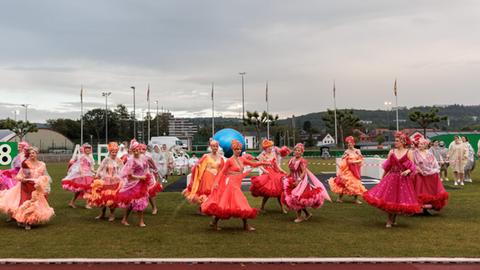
(51, 48)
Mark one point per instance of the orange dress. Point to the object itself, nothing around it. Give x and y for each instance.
(227, 200)
(26, 202)
(203, 176)
(348, 180)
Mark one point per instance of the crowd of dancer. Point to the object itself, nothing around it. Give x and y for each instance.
(131, 178)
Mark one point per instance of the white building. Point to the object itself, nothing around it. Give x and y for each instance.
(251, 142)
(45, 139)
(327, 140)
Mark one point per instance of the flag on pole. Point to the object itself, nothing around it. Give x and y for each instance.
(266, 92)
(148, 92)
(395, 88)
(81, 94)
(334, 91)
(212, 90)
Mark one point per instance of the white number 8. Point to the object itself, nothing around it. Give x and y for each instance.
(5, 157)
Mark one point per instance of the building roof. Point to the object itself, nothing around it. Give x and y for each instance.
(6, 135)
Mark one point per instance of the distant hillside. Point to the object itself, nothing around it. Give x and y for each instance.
(459, 116)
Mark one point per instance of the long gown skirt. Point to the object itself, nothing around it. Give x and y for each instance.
(394, 194)
(228, 200)
(430, 190)
(267, 185)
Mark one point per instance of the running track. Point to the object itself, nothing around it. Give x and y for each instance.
(387, 266)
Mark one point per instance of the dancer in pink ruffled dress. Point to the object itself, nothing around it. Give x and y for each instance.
(154, 186)
(426, 182)
(395, 193)
(26, 202)
(135, 178)
(270, 183)
(80, 176)
(302, 188)
(7, 177)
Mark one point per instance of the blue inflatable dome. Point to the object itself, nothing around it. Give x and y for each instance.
(225, 138)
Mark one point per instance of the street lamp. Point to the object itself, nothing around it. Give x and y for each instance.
(106, 95)
(26, 111)
(243, 94)
(388, 106)
(15, 113)
(134, 115)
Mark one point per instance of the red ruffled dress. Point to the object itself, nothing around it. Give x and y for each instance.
(306, 192)
(427, 183)
(133, 193)
(395, 193)
(227, 200)
(269, 184)
(80, 175)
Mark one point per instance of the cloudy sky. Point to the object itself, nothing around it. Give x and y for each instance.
(48, 49)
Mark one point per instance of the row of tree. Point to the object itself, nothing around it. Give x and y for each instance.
(120, 125)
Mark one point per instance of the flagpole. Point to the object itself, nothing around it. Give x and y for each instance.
(268, 112)
(335, 112)
(81, 115)
(148, 125)
(213, 110)
(396, 103)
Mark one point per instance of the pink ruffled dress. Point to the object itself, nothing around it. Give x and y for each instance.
(395, 193)
(269, 184)
(26, 202)
(133, 193)
(427, 183)
(154, 186)
(80, 175)
(7, 177)
(307, 192)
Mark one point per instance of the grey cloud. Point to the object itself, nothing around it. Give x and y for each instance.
(53, 47)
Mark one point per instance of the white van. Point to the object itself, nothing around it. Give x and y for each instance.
(170, 141)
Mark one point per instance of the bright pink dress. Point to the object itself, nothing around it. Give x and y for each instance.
(269, 184)
(26, 202)
(307, 192)
(133, 193)
(7, 177)
(80, 175)
(227, 200)
(395, 193)
(427, 183)
(104, 188)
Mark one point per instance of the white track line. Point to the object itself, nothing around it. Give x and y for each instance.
(248, 260)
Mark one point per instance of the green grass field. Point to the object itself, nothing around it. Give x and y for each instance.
(336, 230)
